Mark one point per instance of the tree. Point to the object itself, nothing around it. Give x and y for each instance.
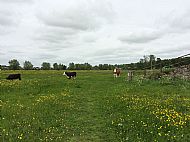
(141, 61)
(87, 66)
(105, 66)
(46, 66)
(100, 66)
(27, 65)
(62, 67)
(146, 60)
(55, 66)
(95, 67)
(78, 66)
(14, 64)
(158, 63)
(141, 64)
(152, 60)
(71, 66)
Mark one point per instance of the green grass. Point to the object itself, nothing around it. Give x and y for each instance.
(46, 106)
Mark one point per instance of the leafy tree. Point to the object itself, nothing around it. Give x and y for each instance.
(152, 57)
(28, 65)
(96, 67)
(158, 63)
(14, 64)
(100, 66)
(71, 66)
(78, 66)
(46, 66)
(152, 60)
(186, 60)
(140, 65)
(55, 66)
(145, 61)
(62, 67)
(105, 67)
(87, 66)
(141, 61)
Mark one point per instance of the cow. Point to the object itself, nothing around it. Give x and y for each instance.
(14, 76)
(70, 74)
(116, 72)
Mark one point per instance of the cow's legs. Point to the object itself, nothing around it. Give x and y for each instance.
(114, 75)
(69, 77)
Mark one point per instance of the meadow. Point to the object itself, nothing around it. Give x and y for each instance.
(95, 107)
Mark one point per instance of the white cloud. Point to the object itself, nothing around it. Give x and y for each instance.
(16, 1)
(82, 16)
(73, 25)
(55, 35)
(175, 49)
(6, 17)
(140, 37)
(180, 23)
(94, 31)
(90, 38)
(1, 53)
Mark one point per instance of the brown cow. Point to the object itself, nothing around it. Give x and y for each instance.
(116, 72)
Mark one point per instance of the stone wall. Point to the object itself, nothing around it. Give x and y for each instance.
(182, 72)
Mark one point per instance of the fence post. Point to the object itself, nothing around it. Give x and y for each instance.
(145, 73)
(130, 75)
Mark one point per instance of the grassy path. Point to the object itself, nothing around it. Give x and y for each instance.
(91, 98)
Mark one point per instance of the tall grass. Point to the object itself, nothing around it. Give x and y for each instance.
(46, 106)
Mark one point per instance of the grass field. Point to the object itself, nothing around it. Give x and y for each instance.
(46, 106)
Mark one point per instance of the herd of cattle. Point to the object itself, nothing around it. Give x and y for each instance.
(69, 75)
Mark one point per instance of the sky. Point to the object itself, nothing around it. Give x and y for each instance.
(93, 31)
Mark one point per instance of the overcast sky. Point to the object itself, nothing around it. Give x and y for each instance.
(93, 31)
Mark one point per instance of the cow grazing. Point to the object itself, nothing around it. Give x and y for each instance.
(14, 76)
(116, 72)
(70, 74)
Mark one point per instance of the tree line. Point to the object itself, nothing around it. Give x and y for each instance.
(147, 62)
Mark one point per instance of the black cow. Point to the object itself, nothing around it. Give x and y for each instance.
(14, 76)
(70, 74)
